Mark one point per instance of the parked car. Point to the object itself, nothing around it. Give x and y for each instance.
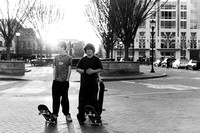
(157, 63)
(182, 63)
(193, 64)
(42, 62)
(33, 62)
(167, 62)
(164, 62)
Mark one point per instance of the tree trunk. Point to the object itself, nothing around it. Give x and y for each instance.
(8, 44)
(107, 53)
(126, 53)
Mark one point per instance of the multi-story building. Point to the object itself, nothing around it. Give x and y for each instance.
(177, 32)
(24, 45)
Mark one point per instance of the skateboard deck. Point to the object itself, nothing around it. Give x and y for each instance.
(93, 115)
(48, 116)
(101, 96)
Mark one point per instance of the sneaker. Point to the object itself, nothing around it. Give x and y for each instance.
(68, 118)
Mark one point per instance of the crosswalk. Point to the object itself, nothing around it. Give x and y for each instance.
(178, 87)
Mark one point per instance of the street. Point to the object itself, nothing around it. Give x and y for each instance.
(160, 105)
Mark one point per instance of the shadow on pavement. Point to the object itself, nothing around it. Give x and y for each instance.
(51, 128)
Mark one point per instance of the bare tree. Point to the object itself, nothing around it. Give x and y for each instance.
(127, 15)
(13, 15)
(98, 12)
(45, 13)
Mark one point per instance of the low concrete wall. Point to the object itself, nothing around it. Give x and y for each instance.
(15, 68)
(112, 68)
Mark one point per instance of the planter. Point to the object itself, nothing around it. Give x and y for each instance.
(115, 68)
(15, 68)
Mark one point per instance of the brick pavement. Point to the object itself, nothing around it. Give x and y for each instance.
(125, 112)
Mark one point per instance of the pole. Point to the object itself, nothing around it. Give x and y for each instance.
(17, 47)
(152, 46)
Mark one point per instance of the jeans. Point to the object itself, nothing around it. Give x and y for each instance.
(60, 96)
(87, 96)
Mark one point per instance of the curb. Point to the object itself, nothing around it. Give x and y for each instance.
(132, 77)
(135, 77)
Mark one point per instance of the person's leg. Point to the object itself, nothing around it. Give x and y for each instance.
(81, 105)
(65, 99)
(56, 98)
(92, 95)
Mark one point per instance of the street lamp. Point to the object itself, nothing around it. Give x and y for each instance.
(152, 43)
(17, 44)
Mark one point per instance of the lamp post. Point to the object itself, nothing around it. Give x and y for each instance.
(120, 46)
(152, 24)
(17, 44)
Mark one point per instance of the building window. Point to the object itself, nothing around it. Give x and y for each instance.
(183, 40)
(193, 6)
(193, 25)
(141, 54)
(168, 24)
(168, 39)
(143, 25)
(183, 25)
(169, 5)
(142, 39)
(193, 40)
(183, 6)
(168, 54)
(168, 15)
(183, 15)
(193, 16)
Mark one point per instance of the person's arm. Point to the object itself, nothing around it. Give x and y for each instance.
(91, 71)
(79, 67)
(79, 70)
(69, 70)
(99, 77)
(69, 73)
(54, 72)
(99, 70)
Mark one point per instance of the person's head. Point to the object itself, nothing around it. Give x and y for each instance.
(89, 46)
(62, 44)
(62, 47)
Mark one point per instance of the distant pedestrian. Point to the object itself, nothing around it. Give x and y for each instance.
(62, 70)
(89, 67)
(168, 62)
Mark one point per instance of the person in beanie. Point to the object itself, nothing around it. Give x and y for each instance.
(89, 67)
(61, 73)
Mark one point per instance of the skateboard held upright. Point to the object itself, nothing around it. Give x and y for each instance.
(48, 116)
(101, 96)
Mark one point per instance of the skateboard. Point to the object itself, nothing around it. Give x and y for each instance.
(101, 96)
(48, 116)
(93, 115)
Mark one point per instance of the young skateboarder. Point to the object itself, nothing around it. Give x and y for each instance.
(89, 66)
(62, 70)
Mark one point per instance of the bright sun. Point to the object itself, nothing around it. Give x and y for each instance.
(75, 25)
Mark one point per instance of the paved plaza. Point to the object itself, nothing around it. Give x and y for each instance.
(125, 112)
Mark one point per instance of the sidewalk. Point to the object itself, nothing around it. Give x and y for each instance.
(19, 106)
(134, 109)
(144, 74)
